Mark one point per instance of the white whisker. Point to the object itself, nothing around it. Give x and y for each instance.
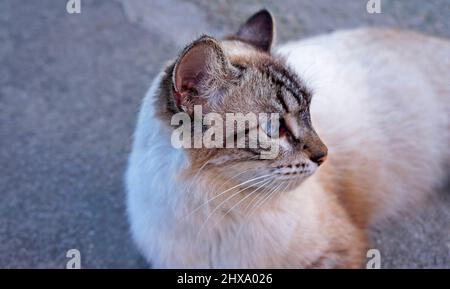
(240, 201)
(255, 206)
(232, 188)
(230, 197)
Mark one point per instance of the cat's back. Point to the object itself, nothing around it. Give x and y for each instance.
(381, 104)
(371, 54)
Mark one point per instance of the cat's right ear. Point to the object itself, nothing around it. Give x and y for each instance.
(199, 73)
(259, 30)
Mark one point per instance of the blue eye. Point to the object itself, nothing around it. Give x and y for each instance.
(268, 128)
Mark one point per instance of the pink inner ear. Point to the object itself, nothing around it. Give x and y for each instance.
(191, 69)
(187, 88)
(197, 68)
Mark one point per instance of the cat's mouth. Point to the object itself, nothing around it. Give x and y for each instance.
(293, 170)
(294, 173)
(288, 181)
(291, 175)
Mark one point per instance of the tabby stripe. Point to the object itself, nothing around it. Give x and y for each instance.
(285, 81)
(281, 99)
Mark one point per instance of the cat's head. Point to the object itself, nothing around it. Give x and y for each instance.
(240, 75)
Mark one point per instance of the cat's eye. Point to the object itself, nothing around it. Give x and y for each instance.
(268, 127)
(282, 130)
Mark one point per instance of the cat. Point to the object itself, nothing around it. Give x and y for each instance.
(364, 131)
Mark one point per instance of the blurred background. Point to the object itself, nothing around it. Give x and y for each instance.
(70, 88)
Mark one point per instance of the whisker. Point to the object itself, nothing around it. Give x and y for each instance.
(287, 184)
(240, 201)
(263, 192)
(228, 198)
(196, 176)
(255, 206)
(232, 188)
(235, 176)
(204, 165)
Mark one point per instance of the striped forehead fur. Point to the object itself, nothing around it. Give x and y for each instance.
(275, 66)
(290, 83)
(292, 93)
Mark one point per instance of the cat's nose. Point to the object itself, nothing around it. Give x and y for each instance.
(317, 152)
(315, 148)
(319, 158)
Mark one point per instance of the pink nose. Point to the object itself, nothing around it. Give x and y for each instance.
(319, 160)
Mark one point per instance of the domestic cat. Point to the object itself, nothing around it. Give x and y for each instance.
(363, 134)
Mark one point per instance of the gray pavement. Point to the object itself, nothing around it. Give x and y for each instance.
(70, 87)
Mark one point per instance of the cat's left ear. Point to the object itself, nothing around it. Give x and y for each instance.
(259, 30)
(201, 74)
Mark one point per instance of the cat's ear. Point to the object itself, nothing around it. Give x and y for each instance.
(199, 73)
(259, 30)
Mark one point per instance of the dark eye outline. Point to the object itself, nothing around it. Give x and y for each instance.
(283, 129)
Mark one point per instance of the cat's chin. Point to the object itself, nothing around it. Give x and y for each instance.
(291, 182)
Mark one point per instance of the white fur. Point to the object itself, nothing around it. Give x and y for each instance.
(382, 93)
(382, 100)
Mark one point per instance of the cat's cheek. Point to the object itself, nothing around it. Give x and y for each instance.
(284, 145)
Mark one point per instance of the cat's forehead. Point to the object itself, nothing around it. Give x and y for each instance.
(267, 81)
